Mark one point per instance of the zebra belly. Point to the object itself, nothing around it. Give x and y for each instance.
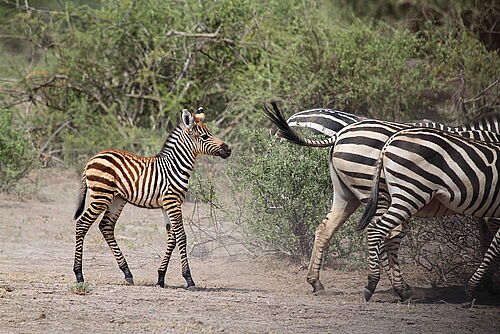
(435, 209)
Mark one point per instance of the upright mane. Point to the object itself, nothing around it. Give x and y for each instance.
(170, 141)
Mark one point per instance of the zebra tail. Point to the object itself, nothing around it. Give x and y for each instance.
(371, 207)
(286, 132)
(81, 199)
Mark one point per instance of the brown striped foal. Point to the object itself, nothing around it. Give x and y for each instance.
(113, 178)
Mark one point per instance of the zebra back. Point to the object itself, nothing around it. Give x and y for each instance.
(285, 130)
(471, 137)
(329, 121)
(323, 121)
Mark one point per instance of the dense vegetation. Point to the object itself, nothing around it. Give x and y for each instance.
(78, 76)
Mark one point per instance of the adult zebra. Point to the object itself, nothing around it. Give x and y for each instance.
(431, 168)
(356, 148)
(114, 177)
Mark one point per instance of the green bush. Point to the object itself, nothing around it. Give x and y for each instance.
(288, 192)
(16, 156)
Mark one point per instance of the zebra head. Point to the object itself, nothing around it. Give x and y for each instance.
(204, 142)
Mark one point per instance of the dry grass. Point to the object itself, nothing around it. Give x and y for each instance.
(81, 288)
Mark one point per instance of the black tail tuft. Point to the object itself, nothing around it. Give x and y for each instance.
(285, 131)
(371, 207)
(81, 200)
(369, 212)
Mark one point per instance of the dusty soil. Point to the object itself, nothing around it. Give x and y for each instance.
(234, 294)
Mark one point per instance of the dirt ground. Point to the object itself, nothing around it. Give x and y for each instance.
(233, 295)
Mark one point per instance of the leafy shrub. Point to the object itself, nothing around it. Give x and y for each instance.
(289, 193)
(16, 156)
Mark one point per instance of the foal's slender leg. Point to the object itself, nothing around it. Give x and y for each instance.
(176, 236)
(107, 227)
(83, 223)
(170, 247)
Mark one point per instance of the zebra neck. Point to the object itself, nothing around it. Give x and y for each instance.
(171, 142)
(179, 158)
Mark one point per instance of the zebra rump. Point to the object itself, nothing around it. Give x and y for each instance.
(286, 132)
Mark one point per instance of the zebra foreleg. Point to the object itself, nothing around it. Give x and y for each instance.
(171, 243)
(107, 228)
(83, 224)
(490, 261)
(180, 235)
(176, 236)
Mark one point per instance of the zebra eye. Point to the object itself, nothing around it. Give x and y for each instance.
(204, 137)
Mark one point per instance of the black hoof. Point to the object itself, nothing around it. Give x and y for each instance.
(130, 280)
(161, 279)
(318, 288)
(79, 277)
(191, 288)
(367, 294)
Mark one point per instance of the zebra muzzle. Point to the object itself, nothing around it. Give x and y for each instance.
(224, 151)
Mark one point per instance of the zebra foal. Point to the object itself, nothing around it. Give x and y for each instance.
(442, 172)
(114, 178)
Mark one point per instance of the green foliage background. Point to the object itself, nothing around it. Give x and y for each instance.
(80, 76)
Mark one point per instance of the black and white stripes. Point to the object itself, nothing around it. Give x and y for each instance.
(432, 173)
(113, 178)
(353, 157)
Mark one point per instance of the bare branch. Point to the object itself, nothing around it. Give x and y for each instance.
(478, 96)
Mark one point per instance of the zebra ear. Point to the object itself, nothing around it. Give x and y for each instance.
(187, 118)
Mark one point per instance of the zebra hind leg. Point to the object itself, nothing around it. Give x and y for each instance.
(389, 258)
(83, 224)
(341, 209)
(378, 231)
(107, 228)
(490, 260)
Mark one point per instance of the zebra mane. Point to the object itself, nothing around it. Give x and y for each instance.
(170, 141)
(489, 122)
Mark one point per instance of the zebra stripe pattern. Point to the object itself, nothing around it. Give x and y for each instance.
(113, 178)
(352, 166)
(323, 121)
(431, 168)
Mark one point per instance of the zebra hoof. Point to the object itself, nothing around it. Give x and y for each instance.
(79, 276)
(129, 280)
(191, 288)
(318, 288)
(367, 294)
